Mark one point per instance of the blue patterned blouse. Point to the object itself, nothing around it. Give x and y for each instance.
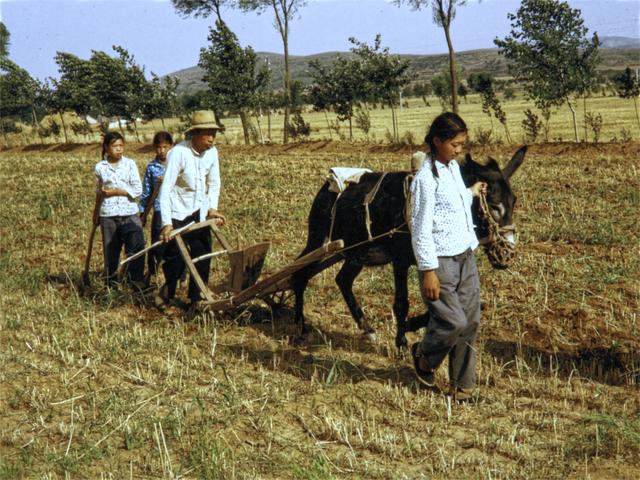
(154, 170)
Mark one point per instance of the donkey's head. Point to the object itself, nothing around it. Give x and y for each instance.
(493, 218)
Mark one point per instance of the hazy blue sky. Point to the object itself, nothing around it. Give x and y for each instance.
(164, 42)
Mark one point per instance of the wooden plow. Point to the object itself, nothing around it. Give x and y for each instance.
(244, 281)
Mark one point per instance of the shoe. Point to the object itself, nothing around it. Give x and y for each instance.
(426, 376)
(461, 395)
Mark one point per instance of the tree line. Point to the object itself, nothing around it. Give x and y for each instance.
(548, 49)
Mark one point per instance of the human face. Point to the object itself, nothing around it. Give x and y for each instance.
(448, 150)
(161, 150)
(115, 150)
(203, 140)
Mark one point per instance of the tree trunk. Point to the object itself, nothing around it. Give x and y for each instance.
(287, 94)
(269, 124)
(584, 107)
(329, 124)
(575, 120)
(162, 122)
(245, 127)
(635, 104)
(121, 128)
(135, 128)
(36, 125)
(452, 71)
(259, 129)
(394, 123)
(350, 129)
(64, 127)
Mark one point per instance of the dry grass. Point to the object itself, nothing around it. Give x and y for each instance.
(618, 115)
(97, 386)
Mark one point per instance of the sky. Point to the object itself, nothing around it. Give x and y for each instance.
(164, 42)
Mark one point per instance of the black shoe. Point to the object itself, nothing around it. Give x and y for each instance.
(427, 377)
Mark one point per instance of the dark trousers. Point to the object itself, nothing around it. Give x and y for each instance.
(119, 231)
(198, 242)
(454, 319)
(155, 256)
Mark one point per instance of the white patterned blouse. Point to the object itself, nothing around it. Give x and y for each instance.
(124, 175)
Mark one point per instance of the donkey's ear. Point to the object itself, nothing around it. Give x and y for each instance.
(515, 162)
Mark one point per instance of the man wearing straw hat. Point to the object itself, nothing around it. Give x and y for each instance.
(189, 193)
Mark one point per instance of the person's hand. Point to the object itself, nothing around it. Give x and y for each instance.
(220, 218)
(478, 188)
(429, 285)
(165, 233)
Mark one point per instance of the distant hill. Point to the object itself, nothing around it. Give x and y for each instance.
(616, 54)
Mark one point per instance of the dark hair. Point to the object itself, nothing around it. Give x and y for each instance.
(161, 137)
(109, 138)
(445, 127)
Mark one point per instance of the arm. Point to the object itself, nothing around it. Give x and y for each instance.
(174, 165)
(213, 189)
(146, 189)
(422, 213)
(132, 189)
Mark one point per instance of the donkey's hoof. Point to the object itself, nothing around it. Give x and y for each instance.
(371, 337)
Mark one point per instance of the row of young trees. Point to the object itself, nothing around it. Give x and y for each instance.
(103, 87)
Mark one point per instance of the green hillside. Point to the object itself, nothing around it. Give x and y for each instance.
(422, 66)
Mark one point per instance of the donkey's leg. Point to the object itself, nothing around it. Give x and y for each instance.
(401, 302)
(345, 278)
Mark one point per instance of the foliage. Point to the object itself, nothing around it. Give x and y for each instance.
(441, 87)
(164, 101)
(549, 52)
(363, 120)
(628, 86)
(232, 74)
(298, 127)
(385, 74)
(74, 90)
(532, 125)
(594, 121)
(4, 40)
(201, 8)
(340, 86)
(482, 83)
(284, 11)
(18, 90)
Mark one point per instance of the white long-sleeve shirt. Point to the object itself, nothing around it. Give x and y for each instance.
(124, 175)
(441, 220)
(191, 182)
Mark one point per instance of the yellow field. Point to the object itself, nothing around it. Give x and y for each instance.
(96, 386)
(618, 115)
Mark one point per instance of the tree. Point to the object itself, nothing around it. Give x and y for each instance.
(384, 75)
(482, 83)
(339, 86)
(164, 98)
(444, 11)
(441, 88)
(627, 86)
(4, 40)
(284, 12)
(120, 87)
(74, 90)
(550, 53)
(18, 92)
(232, 73)
(201, 8)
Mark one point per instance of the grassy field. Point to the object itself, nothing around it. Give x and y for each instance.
(619, 123)
(95, 386)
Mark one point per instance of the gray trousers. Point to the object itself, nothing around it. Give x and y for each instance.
(119, 231)
(454, 319)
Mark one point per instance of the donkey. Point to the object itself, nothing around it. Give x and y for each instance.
(378, 234)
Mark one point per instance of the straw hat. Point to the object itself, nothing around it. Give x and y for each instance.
(203, 120)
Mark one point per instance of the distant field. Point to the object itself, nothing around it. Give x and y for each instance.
(93, 386)
(618, 116)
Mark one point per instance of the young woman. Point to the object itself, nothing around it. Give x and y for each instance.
(117, 188)
(153, 175)
(443, 239)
